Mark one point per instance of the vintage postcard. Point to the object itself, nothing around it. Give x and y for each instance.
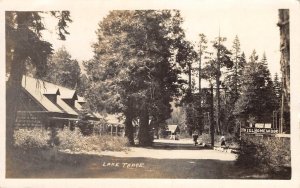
(150, 93)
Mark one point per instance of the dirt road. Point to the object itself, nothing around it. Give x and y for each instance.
(166, 159)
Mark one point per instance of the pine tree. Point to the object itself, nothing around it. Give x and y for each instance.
(257, 93)
(233, 84)
(233, 75)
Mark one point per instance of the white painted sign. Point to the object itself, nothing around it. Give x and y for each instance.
(268, 125)
(259, 125)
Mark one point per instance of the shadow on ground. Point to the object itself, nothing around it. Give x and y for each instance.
(176, 146)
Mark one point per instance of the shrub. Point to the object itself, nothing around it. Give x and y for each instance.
(76, 142)
(36, 138)
(86, 127)
(66, 139)
(265, 154)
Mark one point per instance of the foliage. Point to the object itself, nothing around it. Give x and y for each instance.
(193, 119)
(266, 154)
(25, 45)
(134, 70)
(24, 38)
(86, 127)
(188, 55)
(63, 70)
(220, 56)
(233, 76)
(28, 139)
(82, 85)
(74, 141)
(178, 117)
(232, 83)
(213, 71)
(257, 93)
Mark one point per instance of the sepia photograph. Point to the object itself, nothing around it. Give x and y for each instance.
(199, 91)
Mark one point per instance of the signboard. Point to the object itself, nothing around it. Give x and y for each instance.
(268, 125)
(259, 125)
(255, 130)
(263, 125)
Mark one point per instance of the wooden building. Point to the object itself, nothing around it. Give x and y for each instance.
(173, 131)
(114, 124)
(45, 104)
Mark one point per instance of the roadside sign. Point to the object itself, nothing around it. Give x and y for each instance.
(259, 125)
(255, 130)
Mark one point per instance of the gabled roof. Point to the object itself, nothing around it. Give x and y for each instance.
(173, 128)
(81, 99)
(68, 94)
(51, 91)
(37, 88)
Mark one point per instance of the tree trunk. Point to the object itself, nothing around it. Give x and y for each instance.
(129, 129)
(283, 24)
(145, 137)
(14, 85)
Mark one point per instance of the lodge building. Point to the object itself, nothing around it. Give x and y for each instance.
(45, 104)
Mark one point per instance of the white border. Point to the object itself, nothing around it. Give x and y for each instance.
(31, 5)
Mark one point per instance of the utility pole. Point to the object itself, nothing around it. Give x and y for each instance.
(218, 84)
(212, 127)
(200, 90)
(202, 47)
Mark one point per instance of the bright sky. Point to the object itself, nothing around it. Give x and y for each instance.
(254, 25)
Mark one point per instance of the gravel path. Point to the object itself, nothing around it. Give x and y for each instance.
(174, 149)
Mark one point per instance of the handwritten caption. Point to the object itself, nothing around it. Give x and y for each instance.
(123, 165)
